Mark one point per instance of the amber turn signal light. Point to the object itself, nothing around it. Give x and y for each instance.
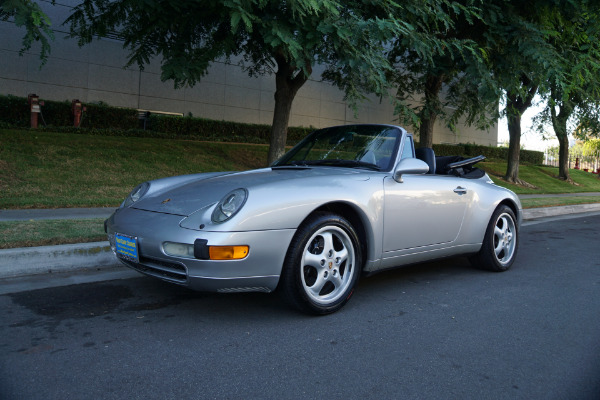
(227, 252)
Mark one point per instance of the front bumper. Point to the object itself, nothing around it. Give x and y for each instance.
(259, 271)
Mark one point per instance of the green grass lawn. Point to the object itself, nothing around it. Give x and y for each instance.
(50, 232)
(52, 170)
(544, 178)
(558, 201)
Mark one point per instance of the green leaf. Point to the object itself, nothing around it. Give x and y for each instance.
(235, 20)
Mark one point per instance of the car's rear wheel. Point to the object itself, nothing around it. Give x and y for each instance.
(501, 241)
(322, 265)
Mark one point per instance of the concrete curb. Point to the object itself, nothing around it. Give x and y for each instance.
(98, 255)
(542, 212)
(50, 259)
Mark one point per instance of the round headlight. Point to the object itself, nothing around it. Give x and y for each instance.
(229, 205)
(137, 193)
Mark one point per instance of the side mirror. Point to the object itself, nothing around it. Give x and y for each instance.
(412, 166)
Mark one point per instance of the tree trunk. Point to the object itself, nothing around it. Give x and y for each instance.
(288, 80)
(281, 116)
(514, 145)
(559, 123)
(426, 130)
(516, 105)
(433, 86)
(563, 157)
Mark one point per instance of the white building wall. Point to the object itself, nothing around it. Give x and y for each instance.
(96, 73)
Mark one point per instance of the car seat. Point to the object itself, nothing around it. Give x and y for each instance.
(426, 154)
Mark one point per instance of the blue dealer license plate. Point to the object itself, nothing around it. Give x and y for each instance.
(127, 247)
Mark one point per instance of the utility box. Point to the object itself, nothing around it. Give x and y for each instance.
(34, 108)
(77, 110)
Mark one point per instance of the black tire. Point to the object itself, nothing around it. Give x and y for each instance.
(322, 265)
(500, 243)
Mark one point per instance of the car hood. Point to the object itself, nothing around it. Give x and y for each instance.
(186, 198)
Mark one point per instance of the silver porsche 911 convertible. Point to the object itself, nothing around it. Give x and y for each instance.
(346, 201)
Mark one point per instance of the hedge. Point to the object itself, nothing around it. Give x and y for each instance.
(15, 111)
(101, 119)
(220, 131)
(492, 153)
(238, 136)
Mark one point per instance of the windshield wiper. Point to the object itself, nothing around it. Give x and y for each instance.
(295, 163)
(344, 163)
(331, 162)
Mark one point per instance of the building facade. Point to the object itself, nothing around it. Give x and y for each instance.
(96, 73)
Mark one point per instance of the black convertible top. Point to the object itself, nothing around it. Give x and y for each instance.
(459, 166)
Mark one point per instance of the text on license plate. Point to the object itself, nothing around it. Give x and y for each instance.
(127, 247)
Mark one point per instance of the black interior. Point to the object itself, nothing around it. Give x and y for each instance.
(450, 165)
(426, 154)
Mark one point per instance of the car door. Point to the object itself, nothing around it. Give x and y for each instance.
(422, 211)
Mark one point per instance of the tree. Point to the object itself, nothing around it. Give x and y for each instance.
(455, 75)
(574, 99)
(282, 38)
(272, 37)
(529, 57)
(518, 100)
(563, 109)
(521, 58)
(29, 15)
(591, 147)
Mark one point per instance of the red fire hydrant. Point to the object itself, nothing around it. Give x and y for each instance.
(34, 108)
(77, 110)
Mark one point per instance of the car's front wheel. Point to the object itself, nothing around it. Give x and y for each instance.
(322, 265)
(501, 241)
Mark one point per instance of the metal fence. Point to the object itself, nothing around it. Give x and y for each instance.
(577, 160)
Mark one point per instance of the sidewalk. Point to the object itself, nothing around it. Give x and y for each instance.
(539, 196)
(98, 255)
(53, 259)
(105, 212)
(56, 213)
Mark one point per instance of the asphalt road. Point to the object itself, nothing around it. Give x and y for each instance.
(434, 331)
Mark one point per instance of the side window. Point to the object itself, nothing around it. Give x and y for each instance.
(408, 151)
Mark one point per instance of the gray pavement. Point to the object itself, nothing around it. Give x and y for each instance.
(85, 257)
(442, 330)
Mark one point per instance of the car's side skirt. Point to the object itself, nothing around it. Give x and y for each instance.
(419, 255)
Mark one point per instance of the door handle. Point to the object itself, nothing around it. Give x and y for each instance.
(460, 190)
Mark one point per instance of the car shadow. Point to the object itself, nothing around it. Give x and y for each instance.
(146, 297)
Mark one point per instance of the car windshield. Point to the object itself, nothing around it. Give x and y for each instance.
(355, 146)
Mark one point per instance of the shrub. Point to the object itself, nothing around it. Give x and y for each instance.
(101, 119)
(15, 111)
(531, 157)
(56, 113)
(220, 131)
(101, 116)
(492, 153)
(449, 150)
